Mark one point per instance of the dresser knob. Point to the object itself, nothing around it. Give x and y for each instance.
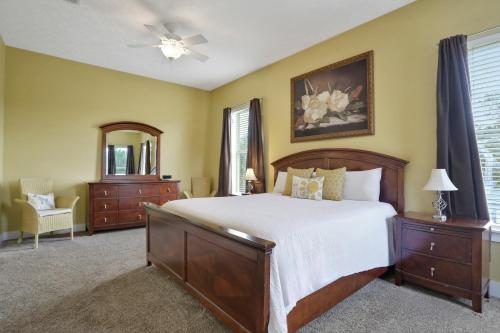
(140, 191)
(139, 216)
(168, 189)
(432, 246)
(105, 206)
(432, 229)
(432, 271)
(105, 219)
(105, 192)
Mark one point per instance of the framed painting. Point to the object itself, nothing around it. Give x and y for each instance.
(333, 101)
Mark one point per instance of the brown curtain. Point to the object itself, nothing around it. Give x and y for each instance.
(130, 167)
(111, 160)
(457, 150)
(224, 186)
(148, 158)
(255, 152)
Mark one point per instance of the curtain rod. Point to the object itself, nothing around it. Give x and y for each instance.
(480, 32)
(243, 104)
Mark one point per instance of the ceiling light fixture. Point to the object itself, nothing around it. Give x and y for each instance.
(172, 49)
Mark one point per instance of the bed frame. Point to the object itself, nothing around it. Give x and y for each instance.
(229, 271)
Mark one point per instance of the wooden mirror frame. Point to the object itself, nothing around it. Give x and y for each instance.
(129, 125)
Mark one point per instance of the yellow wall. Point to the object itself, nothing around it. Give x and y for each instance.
(54, 108)
(2, 105)
(405, 66)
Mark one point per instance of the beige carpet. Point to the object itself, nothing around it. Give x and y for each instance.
(101, 284)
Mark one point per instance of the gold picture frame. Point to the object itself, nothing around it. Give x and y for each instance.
(333, 101)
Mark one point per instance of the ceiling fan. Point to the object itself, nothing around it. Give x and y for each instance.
(172, 45)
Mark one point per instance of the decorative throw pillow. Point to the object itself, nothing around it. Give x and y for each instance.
(279, 187)
(307, 188)
(304, 173)
(334, 183)
(42, 202)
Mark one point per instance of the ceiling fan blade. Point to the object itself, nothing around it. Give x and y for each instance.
(196, 55)
(143, 45)
(171, 27)
(155, 31)
(194, 40)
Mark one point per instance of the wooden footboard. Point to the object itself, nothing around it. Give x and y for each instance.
(226, 269)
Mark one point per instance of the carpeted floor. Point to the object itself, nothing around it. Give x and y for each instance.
(101, 284)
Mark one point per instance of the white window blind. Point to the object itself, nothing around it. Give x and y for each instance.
(484, 67)
(239, 147)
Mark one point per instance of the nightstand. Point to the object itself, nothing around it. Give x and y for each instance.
(451, 257)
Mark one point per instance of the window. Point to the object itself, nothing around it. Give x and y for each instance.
(121, 160)
(484, 67)
(239, 146)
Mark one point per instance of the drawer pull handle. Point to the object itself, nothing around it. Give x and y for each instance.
(139, 216)
(432, 246)
(105, 192)
(140, 191)
(105, 219)
(105, 206)
(432, 229)
(168, 189)
(432, 271)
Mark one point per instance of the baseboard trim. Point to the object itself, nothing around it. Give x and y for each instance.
(495, 288)
(7, 235)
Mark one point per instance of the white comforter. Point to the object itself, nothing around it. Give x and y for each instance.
(317, 242)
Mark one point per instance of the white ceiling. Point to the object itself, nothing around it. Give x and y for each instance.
(243, 35)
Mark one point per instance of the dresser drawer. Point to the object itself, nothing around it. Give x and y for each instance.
(107, 218)
(105, 205)
(143, 190)
(439, 270)
(168, 188)
(131, 216)
(135, 203)
(166, 198)
(105, 191)
(437, 244)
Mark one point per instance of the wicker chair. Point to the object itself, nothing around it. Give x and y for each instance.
(38, 222)
(200, 188)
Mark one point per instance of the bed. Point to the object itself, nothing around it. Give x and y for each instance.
(259, 263)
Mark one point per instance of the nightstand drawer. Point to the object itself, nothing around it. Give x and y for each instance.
(439, 270)
(436, 244)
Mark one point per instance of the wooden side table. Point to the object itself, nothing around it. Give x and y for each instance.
(451, 257)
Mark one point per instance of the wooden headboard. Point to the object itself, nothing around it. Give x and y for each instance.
(391, 184)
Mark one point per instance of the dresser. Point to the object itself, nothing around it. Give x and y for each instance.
(117, 205)
(451, 257)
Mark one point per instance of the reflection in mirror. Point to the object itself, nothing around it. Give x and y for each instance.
(130, 152)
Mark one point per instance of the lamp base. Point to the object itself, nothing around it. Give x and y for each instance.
(440, 218)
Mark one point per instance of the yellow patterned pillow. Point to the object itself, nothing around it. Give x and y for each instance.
(334, 183)
(307, 188)
(304, 173)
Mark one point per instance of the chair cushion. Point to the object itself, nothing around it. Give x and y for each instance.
(55, 211)
(41, 201)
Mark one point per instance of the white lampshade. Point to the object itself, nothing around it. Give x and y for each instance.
(250, 175)
(439, 181)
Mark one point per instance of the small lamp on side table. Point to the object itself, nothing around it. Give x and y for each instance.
(439, 181)
(249, 177)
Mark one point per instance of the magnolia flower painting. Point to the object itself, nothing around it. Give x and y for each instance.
(334, 101)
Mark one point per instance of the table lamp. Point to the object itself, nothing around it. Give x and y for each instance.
(439, 182)
(249, 177)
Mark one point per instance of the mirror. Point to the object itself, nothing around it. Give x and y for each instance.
(130, 151)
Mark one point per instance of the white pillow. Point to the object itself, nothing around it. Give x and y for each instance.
(279, 187)
(42, 202)
(362, 185)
